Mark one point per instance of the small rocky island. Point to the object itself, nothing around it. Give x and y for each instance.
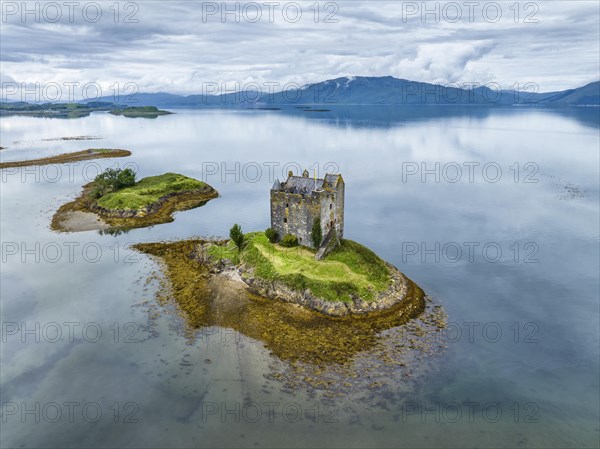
(302, 309)
(140, 111)
(115, 201)
(350, 281)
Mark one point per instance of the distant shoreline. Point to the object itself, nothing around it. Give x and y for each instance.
(77, 110)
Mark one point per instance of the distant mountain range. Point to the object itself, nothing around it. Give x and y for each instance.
(360, 90)
(385, 90)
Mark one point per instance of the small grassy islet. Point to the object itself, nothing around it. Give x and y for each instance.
(148, 191)
(140, 111)
(148, 202)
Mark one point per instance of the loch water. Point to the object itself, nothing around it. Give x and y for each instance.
(494, 212)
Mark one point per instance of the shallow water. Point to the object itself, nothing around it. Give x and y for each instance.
(526, 376)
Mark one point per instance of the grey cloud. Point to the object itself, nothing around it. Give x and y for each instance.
(171, 49)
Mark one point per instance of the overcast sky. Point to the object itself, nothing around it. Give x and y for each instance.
(177, 46)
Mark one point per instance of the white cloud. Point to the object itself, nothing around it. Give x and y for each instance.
(172, 49)
(448, 62)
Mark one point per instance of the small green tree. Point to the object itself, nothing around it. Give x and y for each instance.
(272, 235)
(237, 236)
(111, 180)
(125, 178)
(316, 234)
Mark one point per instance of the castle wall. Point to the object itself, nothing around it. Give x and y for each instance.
(293, 213)
(332, 210)
(339, 206)
(327, 214)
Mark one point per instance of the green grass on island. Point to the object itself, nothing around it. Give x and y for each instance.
(140, 111)
(351, 269)
(148, 191)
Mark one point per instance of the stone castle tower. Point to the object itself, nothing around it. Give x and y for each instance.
(296, 203)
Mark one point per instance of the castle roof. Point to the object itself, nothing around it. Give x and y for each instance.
(301, 184)
(305, 184)
(331, 180)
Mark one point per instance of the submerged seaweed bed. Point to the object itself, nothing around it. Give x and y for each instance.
(312, 349)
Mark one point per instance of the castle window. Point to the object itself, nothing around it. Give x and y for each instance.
(285, 220)
(287, 205)
(330, 206)
(331, 224)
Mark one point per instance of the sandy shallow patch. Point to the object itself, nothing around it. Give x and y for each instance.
(78, 221)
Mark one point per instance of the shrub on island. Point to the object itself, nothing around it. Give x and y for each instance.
(289, 241)
(272, 235)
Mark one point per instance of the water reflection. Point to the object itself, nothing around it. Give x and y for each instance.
(388, 206)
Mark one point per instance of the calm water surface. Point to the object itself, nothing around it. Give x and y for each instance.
(510, 251)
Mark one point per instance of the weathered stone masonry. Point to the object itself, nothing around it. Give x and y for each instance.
(296, 203)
